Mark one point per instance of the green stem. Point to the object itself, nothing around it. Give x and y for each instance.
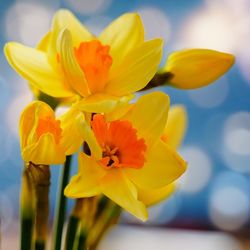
(85, 210)
(51, 101)
(102, 203)
(26, 233)
(82, 241)
(41, 181)
(42, 216)
(40, 245)
(106, 219)
(61, 205)
(27, 211)
(71, 232)
(160, 79)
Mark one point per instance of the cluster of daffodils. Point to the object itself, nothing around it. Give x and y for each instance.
(126, 148)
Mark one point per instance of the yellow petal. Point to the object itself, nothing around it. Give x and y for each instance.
(89, 137)
(44, 152)
(136, 70)
(163, 166)
(75, 130)
(43, 46)
(86, 182)
(98, 103)
(121, 108)
(29, 120)
(44, 42)
(33, 65)
(149, 116)
(64, 19)
(72, 124)
(71, 69)
(120, 190)
(26, 123)
(176, 126)
(195, 68)
(123, 34)
(151, 197)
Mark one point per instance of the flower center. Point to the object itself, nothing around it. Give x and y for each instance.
(119, 142)
(49, 125)
(95, 61)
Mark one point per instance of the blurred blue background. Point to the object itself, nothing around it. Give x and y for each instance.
(215, 191)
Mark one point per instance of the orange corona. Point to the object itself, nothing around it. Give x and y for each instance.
(119, 142)
(95, 61)
(49, 125)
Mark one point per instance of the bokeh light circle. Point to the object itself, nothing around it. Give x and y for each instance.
(229, 203)
(229, 208)
(97, 24)
(209, 28)
(198, 171)
(218, 25)
(6, 211)
(210, 96)
(15, 109)
(18, 24)
(89, 7)
(158, 214)
(155, 22)
(236, 139)
(4, 93)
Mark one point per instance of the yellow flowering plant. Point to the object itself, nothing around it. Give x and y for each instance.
(128, 156)
(70, 61)
(46, 139)
(126, 149)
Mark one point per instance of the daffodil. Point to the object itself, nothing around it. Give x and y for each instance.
(46, 140)
(195, 68)
(173, 135)
(70, 61)
(127, 154)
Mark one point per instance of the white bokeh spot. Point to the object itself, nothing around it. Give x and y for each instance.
(210, 96)
(89, 7)
(237, 133)
(6, 211)
(155, 22)
(198, 171)
(97, 24)
(229, 208)
(28, 22)
(16, 107)
(236, 140)
(218, 25)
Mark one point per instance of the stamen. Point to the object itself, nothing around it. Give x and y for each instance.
(118, 139)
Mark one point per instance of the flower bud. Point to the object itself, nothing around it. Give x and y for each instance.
(195, 68)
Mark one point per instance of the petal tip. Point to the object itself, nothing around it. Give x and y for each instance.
(144, 217)
(67, 192)
(7, 51)
(180, 109)
(230, 59)
(63, 12)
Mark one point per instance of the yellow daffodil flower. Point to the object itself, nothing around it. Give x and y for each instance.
(127, 153)
(195, 68)
(46, 140)
(70, 61)
(173, 135)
